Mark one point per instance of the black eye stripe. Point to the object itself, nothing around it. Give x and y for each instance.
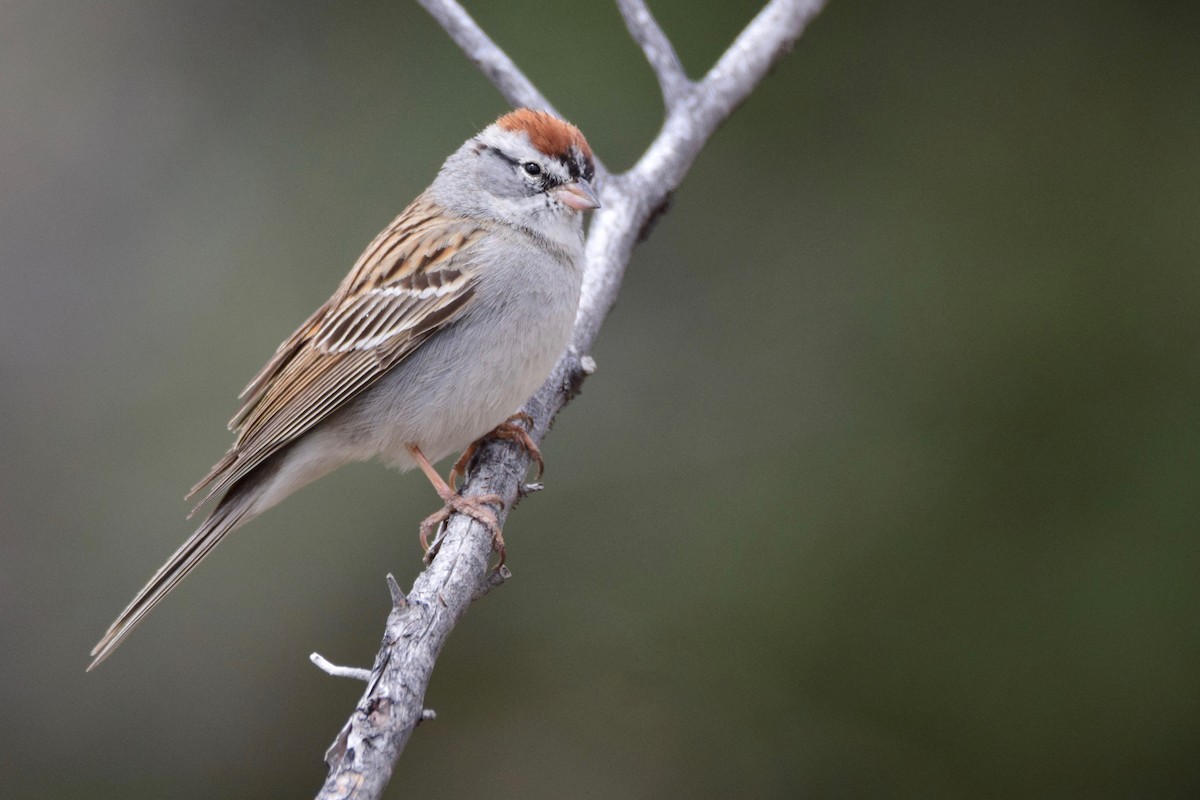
(575, 163)
(503, 156)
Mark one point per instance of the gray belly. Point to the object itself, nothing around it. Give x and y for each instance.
(459, 385)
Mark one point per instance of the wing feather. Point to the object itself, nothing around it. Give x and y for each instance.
(407, 284)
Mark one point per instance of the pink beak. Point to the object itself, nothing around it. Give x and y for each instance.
(578, 195)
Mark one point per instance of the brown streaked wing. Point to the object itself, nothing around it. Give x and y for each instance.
(406, 285)
(387, 256)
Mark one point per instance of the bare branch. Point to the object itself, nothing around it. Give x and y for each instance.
(363, 755)
(484, 54)
(645, 30)
(768, 37)
(743, 66)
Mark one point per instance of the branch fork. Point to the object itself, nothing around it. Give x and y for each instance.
(362, 757)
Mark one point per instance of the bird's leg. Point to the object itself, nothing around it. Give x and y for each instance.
(509, 430)
(460, 467)
(474, 507)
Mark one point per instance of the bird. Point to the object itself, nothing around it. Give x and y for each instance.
(446, 324)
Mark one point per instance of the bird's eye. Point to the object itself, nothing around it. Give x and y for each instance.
(531, 169)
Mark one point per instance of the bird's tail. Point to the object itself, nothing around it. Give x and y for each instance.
(239, 505)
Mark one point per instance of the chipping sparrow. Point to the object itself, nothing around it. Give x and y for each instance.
(447, 323)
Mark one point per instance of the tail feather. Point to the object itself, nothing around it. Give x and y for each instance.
(269, 482)
(234, 509)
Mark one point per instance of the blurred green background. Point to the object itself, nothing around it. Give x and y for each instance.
(886, 485)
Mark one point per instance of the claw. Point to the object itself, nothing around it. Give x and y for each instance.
(508, 430)
(460, 467)
(474, 507)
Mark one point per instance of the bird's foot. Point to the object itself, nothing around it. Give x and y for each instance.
(477, 508)
(509, 430)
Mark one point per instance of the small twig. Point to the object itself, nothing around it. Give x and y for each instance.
(399, 601)
(494, 579)
(645, 30)
(527, 489)
(358, 673)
